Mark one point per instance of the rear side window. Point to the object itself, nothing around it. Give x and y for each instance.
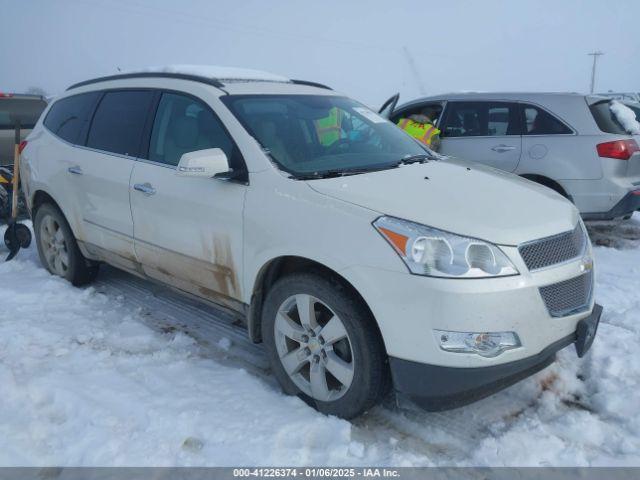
(118, 123)
(541, 122)
(69, 117)
(606, 120)
(481, 119)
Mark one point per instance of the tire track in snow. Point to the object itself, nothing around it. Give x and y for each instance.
(446, 435)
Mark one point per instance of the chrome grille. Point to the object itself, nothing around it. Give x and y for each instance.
(569, 296)
(553, 250)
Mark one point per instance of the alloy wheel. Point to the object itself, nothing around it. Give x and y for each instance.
(314, 347)
(54, 246)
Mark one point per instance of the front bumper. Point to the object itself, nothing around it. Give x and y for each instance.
(437, 388)
(627, 205)
(409, 308)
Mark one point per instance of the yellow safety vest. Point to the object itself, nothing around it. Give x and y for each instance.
(425, 132)
(328, 128)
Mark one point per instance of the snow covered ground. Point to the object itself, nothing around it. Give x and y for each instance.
(126, 373)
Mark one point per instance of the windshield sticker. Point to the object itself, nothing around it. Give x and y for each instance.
(369, 115)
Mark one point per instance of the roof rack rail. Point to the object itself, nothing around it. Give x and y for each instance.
(181, 76)
(311, 84)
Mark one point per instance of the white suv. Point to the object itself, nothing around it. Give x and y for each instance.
(358, 257)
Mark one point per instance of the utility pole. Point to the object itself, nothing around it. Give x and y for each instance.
(595, 56)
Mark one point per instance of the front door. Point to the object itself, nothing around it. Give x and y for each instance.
(487, 132)
(188, 230)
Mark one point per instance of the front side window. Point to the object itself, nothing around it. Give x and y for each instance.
(540, 122)
(307, 134)
(118, 123)
(481, 119)
(183, 124)
(432, 111)
(68, 118)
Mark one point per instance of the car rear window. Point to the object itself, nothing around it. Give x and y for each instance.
(606, 120)
(69, 117)
(119, 121)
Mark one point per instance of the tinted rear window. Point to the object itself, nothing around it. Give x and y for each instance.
(606, 120)
(636, 110)
(68, 118)
(540, 122)
(119, 121)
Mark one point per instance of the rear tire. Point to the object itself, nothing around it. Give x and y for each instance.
(58, 249)
(334, 356)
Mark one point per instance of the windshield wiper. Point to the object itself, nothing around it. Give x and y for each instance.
(418, 158)
(341, 172)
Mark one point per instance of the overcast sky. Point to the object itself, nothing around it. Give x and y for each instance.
(357, 47)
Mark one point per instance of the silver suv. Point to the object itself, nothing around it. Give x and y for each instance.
(571, 143)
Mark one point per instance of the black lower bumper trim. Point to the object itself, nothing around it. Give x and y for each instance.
(629, 204)
(436, 388)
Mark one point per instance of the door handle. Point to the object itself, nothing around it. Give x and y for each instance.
(145, 188)
(503, 148)
(76, 170)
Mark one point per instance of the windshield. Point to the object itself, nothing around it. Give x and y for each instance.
(312, 134)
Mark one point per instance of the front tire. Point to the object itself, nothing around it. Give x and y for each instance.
(58, 249)
(323, 346)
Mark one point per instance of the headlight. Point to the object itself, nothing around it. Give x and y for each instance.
(435, 253)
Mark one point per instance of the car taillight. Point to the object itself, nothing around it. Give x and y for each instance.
(6, 95)
(619, 149)
(23, 144)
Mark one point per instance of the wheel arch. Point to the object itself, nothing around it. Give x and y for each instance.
(279, 267)
(39, 198)
(547, 182)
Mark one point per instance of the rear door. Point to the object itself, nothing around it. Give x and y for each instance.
(487, 132)
(59, 154)
(103, 170)
(188, 230)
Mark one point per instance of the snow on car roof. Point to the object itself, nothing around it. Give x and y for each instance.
(222, 73)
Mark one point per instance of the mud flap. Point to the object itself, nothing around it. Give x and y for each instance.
(586, 331)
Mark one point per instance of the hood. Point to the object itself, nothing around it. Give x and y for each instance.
(460, 197)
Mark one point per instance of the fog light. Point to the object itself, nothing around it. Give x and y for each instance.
(485, 344)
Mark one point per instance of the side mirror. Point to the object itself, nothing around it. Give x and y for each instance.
(203, 163)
